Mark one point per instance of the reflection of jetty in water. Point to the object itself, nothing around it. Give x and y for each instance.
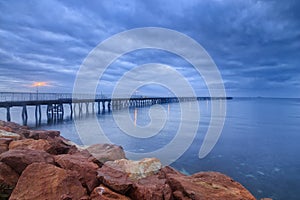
(55, 103)
(137, 116)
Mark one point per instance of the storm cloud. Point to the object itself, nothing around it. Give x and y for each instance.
(255, 44)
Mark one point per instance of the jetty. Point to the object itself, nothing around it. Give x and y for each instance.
(55, 103)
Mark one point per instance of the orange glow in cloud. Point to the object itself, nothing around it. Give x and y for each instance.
(37, 84)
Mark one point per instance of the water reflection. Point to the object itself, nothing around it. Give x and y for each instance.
(135, 116)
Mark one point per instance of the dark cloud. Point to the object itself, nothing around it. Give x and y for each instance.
(255, 44)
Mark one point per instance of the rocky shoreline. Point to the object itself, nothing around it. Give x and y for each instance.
(42, 165)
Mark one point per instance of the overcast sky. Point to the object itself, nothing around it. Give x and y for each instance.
(255, 44)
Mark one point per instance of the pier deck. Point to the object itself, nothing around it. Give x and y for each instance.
(55, 103)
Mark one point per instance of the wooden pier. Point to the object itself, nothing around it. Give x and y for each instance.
(55, 103)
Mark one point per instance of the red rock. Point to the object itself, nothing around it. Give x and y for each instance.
(7, 134)
(4, 142)
(120, 175)
(3, 148)
(8, 180)
(19, 159)
(104, 193)
(13, 127)
(106, 152)
(47, 182)
(137, 169)
(168, 170)
(32, 144)
(42, 134)
(121, 178)
(86, 197)
(86, 170)
(6, 128)
(114, 178)
(151, 188)
(87, 154)
(60, 146)
(207, 185)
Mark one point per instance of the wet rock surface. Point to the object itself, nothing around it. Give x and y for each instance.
(47, 182)
(115, 178)
(32, 144)
(19, 159)
(86, 170)
(8, 180)
(4, 142)
(106, 152)
(152, 187)
(206, 185)
(104, 193)
(44, 165)
(7, 134)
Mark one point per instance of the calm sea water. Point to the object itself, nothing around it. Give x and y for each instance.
(259, 144)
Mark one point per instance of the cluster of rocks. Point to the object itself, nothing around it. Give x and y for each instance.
(43, 165)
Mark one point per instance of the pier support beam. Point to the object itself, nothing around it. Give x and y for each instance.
(108, 106)
(93, 107)
(8, 118)
(38, 114)
(24, 115)
(62, 111)
(49, 113)
(80, 108)
(71, 110)
(87, 108)
(103, 106)
(98, 107)
(74, 108)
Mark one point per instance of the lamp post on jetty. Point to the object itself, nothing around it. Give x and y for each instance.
(37, 91)
(38, 110)
(37, 85)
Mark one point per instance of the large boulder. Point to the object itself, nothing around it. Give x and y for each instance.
(4, 142)
(11, 126)
(7, 134)
(151, 188)
(104, 193)
(86, 170)
(60, 145)
(4, 127)
(106, 152)
(14, 128)
(206, 185)
(137, 169)
(120, 175)
(32, 144)
(115, 179)
(42, 134)
(41, 181)
(19, 159)
(8, 180)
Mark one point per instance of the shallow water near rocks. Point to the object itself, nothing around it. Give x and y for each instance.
(258, 146)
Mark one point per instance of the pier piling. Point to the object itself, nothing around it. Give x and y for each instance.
(8, 118)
